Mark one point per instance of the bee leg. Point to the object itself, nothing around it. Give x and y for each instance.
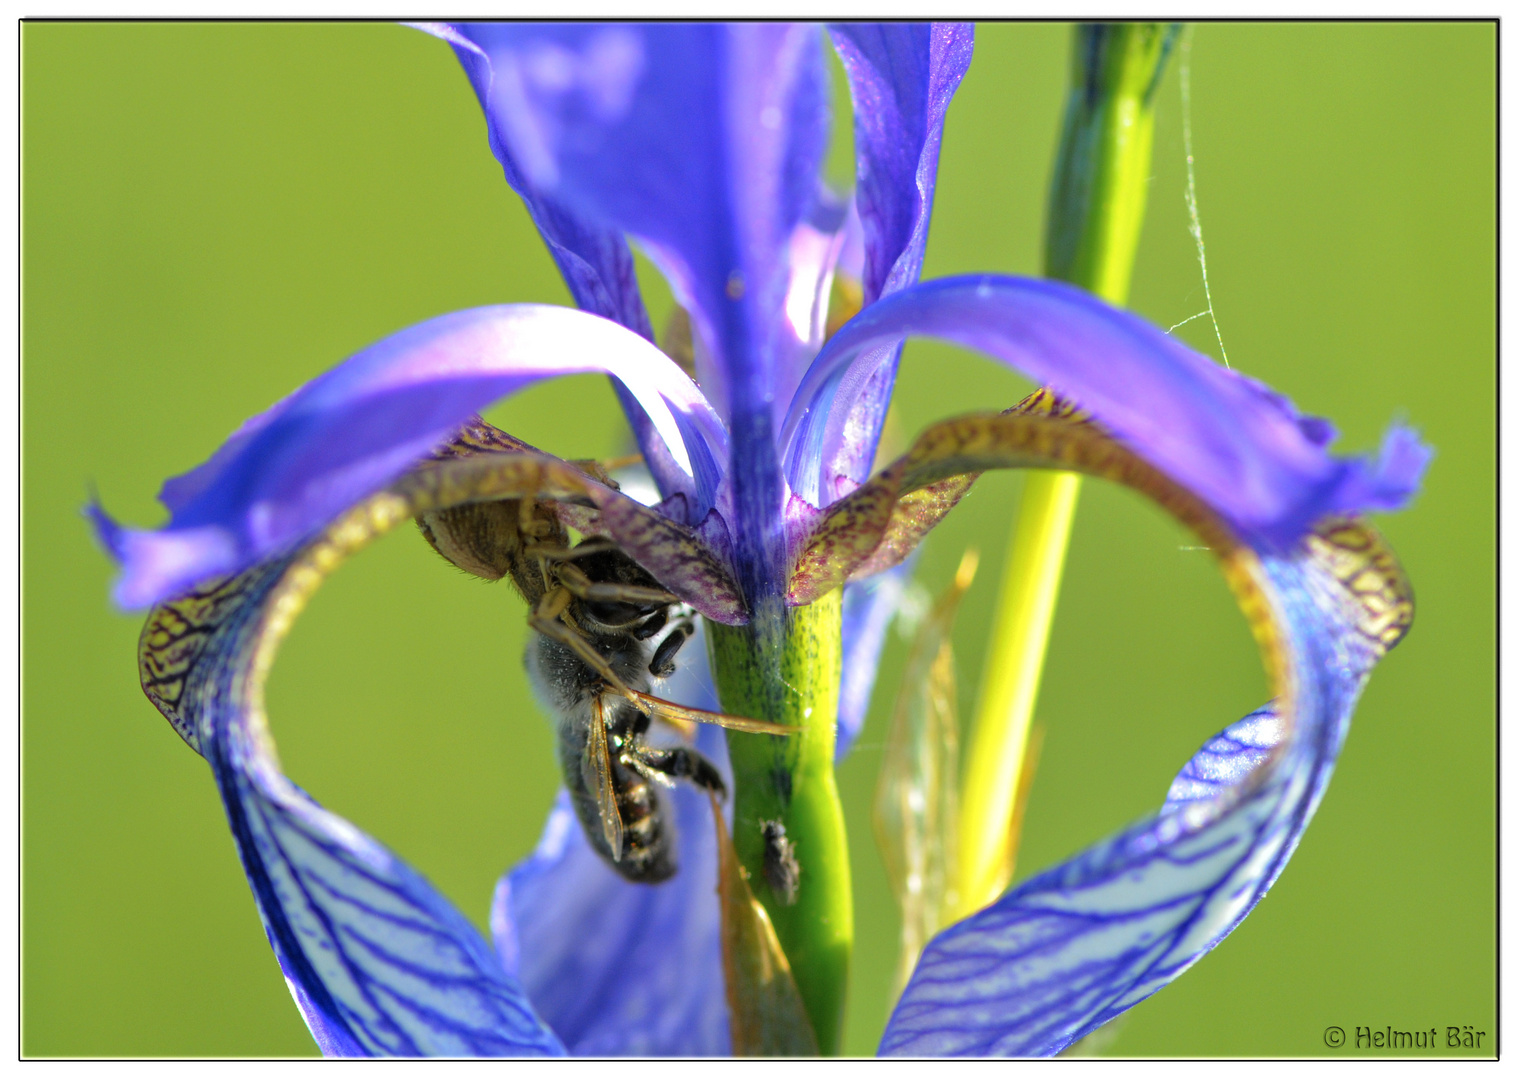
(546, 620)
(560, 553)
(683, 763)
(579, 583)
(663, 663)
(652, 625)
(602, 470)
(647, 771)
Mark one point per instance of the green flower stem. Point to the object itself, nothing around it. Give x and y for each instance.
(785, 666)
(1096, 212)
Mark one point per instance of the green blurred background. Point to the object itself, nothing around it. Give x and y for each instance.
(215, 213)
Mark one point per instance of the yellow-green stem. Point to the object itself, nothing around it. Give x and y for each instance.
(1096, 211)
(785, 665)
(997, 750)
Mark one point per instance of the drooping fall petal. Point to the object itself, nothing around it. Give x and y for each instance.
(377, 960)
(616, 968)
(1065, 952)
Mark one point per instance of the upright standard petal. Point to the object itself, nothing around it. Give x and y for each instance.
(345, 434)
(1237, 445)
(902, 77)
(378, 961)
(595, 261)
(702, 141)
(1072, 948)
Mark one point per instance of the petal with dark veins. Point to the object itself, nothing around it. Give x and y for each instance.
(1070, 949)
(378, 961)
(616, 968)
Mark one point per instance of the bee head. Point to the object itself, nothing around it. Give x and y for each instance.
(613, 567)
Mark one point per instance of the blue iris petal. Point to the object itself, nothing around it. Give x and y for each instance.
(902, 77)
(868, 608)
(703, 142)
(1072, 948)
(595, 261)
(356, 428)
(378, 961)
(1240, 447)
(616, 968)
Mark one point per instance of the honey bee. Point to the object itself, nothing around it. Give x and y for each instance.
(596, 615)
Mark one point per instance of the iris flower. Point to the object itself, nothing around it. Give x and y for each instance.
(703, 143)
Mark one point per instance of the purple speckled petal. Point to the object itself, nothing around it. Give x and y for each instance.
(703, 141)
(356, 428)
(595, 261)
(902, 77)
(378, 961)
(1070, 949)
(868, 608)
(616, 968)
(1225, 437)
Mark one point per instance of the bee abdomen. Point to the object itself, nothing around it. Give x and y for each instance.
(648, 851)
(648, 836)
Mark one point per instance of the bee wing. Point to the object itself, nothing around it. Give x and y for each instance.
(680, 715)
(599, 756)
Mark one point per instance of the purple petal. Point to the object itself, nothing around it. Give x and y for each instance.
(595, 261)
(812, 254)
(703, 141)
(356, 428)
(616, 968)
(868, 608)
(378, 961)
(1074, 947)
(902, 76)
(1239, 446)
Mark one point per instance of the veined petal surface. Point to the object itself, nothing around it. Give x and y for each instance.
(703, 141)
(378, 961)
(1070, 949)
(349, 432)
(1237, 445)
(902, 77)
(1062, 954)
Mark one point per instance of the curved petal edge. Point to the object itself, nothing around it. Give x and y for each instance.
(377, 960)
(292, 469)
(1239, 446)
(1070, 949)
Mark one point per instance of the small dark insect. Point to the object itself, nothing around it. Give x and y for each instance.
(781, 870)
(596, 614)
